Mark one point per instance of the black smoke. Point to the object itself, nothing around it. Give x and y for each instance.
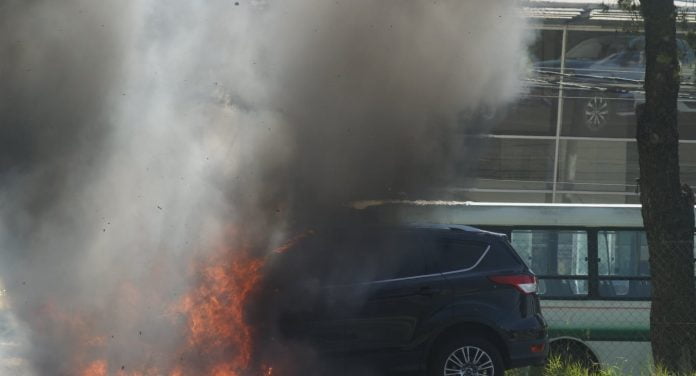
(134, 134)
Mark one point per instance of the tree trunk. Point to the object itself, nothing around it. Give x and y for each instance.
(668, 213)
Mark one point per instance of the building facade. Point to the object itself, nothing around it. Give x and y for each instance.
(571, 137)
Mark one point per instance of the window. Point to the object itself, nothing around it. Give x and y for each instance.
(604, 84)
(515, 164)
(552, 254)
(451, 255)
(589, 49)
(535, 113)
(623, 254)
(687, 159)
(373, 256)
(305, 254)
(597, 166)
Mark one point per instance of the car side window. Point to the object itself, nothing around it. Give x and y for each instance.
(375, 256)
(305, 255)
(401, 256)
(452, 254)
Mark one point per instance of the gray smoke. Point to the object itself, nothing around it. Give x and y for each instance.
(373, 90)
(135, 134)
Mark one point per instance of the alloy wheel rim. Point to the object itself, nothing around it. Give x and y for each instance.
(469, 361)
(596, 112)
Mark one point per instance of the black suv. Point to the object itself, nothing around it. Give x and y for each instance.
(446, 300)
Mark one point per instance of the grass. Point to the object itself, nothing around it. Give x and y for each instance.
(556, 367)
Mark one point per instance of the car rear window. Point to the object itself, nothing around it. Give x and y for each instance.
(456, 254)
(451, 254)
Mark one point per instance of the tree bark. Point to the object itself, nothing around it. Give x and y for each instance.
(668, 213)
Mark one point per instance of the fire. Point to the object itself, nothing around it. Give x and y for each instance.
(97, 368)
(216, 338)
(215, 307)
(215, 311)
(293, 241)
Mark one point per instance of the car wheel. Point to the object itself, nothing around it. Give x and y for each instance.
(596, 113)
(466, 356)
(575, 353)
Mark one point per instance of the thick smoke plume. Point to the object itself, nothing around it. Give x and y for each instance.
(139, 137)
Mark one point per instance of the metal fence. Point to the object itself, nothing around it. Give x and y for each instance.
(597, 295)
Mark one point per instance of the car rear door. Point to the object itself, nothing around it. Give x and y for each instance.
(467, 262)
(389, 290)
(457, 259)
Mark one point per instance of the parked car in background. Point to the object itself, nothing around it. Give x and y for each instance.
(602, 84)
(615, 57)
(604, 79)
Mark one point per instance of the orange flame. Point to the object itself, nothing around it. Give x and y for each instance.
(217, 338)
(215, 311)
(96, 368)
(294, 240)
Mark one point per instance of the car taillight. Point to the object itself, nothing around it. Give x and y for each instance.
(526, 284)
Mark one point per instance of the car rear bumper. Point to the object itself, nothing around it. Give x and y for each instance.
(523, 353)
(528, 345)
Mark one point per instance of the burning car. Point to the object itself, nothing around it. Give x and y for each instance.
(435, 299)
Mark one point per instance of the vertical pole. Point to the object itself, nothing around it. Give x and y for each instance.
(593, 263)
(559, 116)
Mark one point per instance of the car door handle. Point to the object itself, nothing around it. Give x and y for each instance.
(428, 291)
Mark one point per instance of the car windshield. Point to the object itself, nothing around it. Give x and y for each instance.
(612, 48)
(588, 50)
(601, 47)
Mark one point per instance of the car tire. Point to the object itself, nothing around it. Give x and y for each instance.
(469, 355)
(572, 352)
